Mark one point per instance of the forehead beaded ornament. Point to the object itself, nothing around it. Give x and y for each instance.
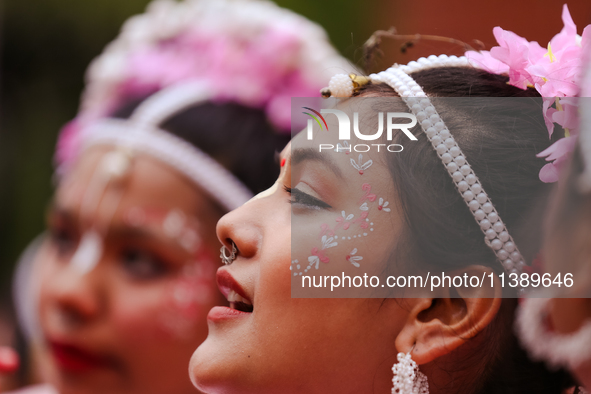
(495, 232)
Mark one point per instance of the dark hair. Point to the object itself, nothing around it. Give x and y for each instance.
(500, 139)
(238, 137)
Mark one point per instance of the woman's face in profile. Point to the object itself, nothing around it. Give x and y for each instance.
(327, 211)
(126, 279)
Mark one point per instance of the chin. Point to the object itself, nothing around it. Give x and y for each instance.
(216, 367)
(206, 369)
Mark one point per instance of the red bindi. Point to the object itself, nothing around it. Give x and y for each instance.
(282, 162)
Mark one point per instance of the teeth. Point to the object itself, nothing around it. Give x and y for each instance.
(235, 297)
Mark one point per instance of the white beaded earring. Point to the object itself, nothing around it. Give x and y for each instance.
(407, 377)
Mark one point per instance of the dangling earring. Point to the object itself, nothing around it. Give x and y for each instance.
(407, 377)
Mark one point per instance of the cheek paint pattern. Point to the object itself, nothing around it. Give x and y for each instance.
(361, 220)
(382, 205)
(368, 196)
(360, 165)
(353, 259)
(326, 230)
(344, 220)
(316, 257)
(174, 224)
(328, 242)
(344, 147)
(189, 297)
(345, 223)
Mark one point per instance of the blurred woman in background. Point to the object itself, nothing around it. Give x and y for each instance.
(558, 330)
(179, 123)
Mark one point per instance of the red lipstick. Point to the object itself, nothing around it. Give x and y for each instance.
(227, 283)
(76, 359)
(240, 303)
(219, 313)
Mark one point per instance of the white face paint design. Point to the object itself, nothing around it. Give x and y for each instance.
(113, 167)
(89, 252)
(355, 188)
(361, 165)
(174, 223)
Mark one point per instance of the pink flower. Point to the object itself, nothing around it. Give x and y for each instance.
(558, 153)
(568, 34)
(516, 52)
(567, 118)
(548, 111)
(68, 143)
(554, 72)
(485, 61)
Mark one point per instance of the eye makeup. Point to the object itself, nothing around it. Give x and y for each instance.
(301, 198)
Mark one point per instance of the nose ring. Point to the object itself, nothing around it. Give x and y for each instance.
(227, 260)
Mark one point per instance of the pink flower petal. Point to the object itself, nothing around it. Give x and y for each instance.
(485, 61)
(548, 112)
(559, 149)
(549, 173)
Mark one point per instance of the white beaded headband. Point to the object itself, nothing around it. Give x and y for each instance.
(142, 133)
(495, 232)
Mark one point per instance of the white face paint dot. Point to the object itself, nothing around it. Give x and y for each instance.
(371, 229)
(354, 236)
(295, 274)
(371, 224)
(173, 224)
(300, 273)
(365, 234)
(349, 237)
(367, 220)
(298, 266)
(343, 237)
(189, 240)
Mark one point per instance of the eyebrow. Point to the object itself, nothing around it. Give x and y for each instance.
(55, 209)
(114, 231)
(308, 154)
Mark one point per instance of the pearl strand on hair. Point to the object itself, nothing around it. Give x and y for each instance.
(495, 232)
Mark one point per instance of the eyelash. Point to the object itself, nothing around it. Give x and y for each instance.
(299, 197)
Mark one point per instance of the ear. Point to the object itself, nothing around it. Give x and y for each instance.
(437, 326)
